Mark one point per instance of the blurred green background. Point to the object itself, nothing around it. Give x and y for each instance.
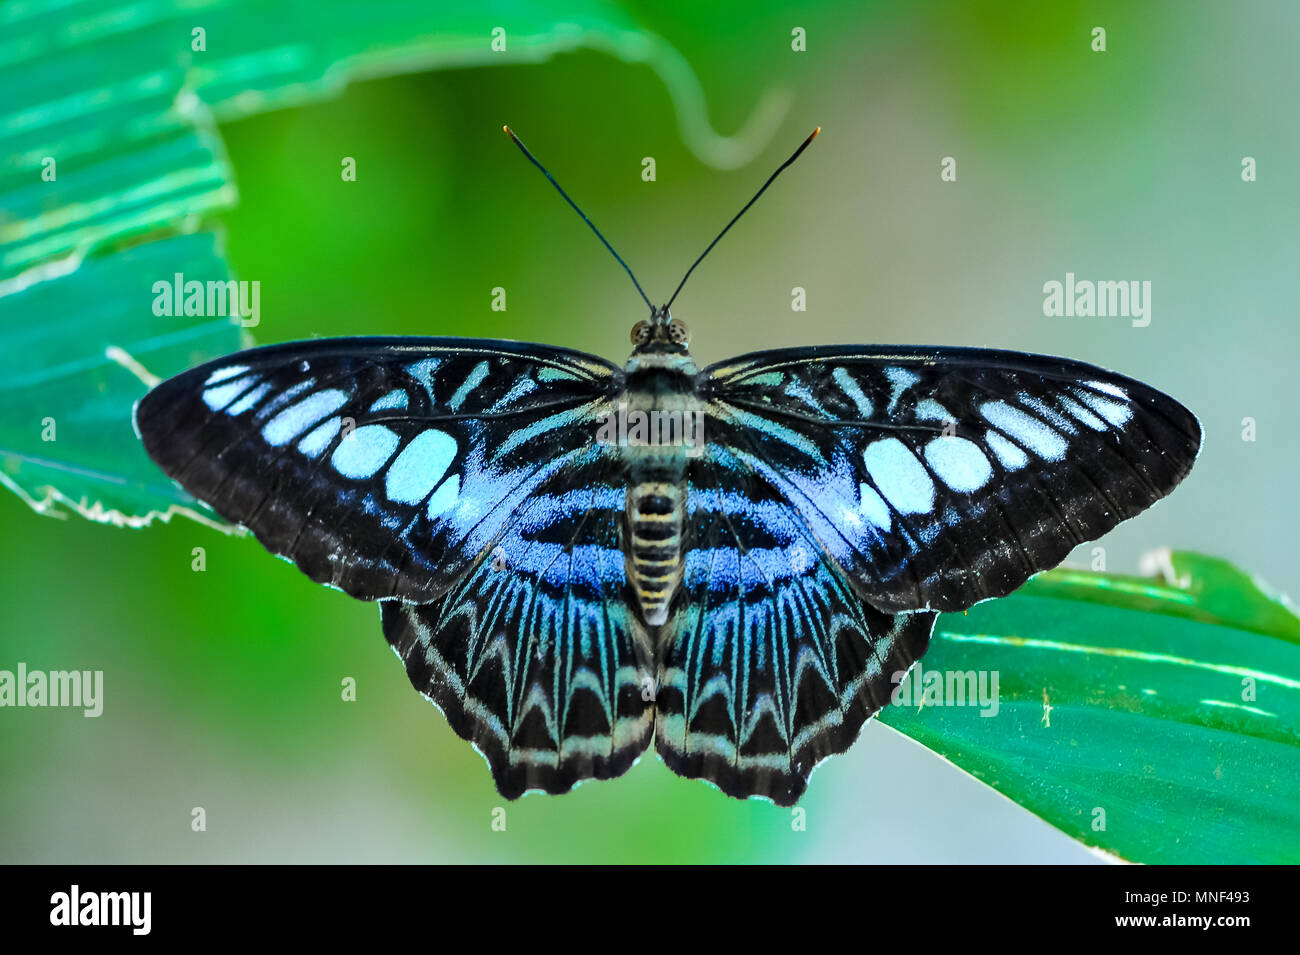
(223, 687)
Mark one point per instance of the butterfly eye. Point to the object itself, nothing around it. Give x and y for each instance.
(678, 333)
(640, 333)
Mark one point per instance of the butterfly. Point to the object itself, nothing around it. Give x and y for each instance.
(576, 560)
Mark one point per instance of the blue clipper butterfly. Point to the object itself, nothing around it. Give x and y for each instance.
(567, 585)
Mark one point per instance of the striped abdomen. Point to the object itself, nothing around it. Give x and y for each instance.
(654, 559)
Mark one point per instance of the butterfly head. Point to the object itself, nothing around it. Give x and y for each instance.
(661, 333)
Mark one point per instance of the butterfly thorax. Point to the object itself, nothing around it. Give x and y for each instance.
(664, 429)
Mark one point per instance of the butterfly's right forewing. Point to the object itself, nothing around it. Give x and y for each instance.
(940, 477)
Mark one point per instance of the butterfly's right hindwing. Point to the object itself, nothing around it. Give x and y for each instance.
(771, 662)
(383, 467)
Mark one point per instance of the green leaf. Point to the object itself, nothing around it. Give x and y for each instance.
(72, 371)
(108, 136)
(1167, 710)
(118, 96)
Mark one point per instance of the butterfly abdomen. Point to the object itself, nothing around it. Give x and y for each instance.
(654, 554)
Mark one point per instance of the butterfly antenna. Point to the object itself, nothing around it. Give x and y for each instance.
(770, 179)
(533, 159)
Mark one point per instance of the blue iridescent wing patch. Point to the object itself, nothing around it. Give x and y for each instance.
(936, 478)
(383, 467)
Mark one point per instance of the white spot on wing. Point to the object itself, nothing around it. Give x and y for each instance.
(472, 381)
(220, 396)
(1025, 428)
(853, 391)
(1114, 412)
(221, 374)
(1008, 453)
(551, 373)
(873, 507)
(320, 437)
(931, 410)
(1042, 410)
(249, 399)
(1114, 390)
(297, 418)
(900, 379)
(445, 497)
(362, 453)
(799, 390)
(520, 388)
(422, 371)
(420, 466)
(900, 476)
(395, 399)
(1083, 414)
(959, 463)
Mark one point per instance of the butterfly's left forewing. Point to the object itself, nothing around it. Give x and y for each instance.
(384, 467)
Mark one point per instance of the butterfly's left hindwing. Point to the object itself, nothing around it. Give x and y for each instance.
(936, 478)
(383, 467)
(536, 656)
